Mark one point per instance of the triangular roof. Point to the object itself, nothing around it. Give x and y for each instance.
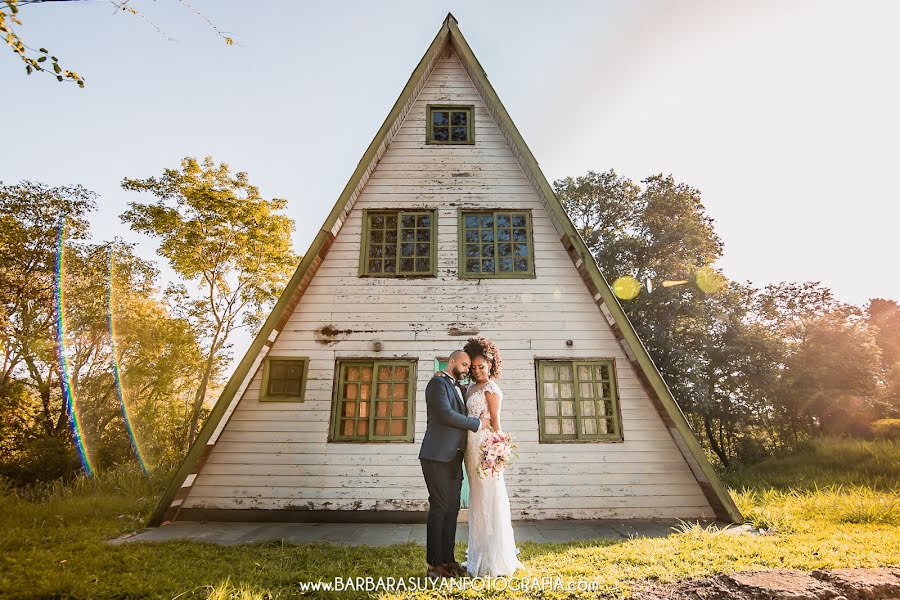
(450, 36)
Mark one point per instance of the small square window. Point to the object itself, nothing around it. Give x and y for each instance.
(284, 379)
(450, 125)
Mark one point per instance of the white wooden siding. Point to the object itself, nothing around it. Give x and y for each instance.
(275, 455)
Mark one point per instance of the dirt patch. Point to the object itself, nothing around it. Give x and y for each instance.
(783, 584)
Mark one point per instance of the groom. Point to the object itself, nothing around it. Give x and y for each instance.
(441, 456)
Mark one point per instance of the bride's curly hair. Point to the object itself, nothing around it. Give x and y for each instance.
(482, 346)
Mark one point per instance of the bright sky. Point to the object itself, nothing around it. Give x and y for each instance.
(784, 114)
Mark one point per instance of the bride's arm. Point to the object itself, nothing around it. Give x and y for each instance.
(493, 403)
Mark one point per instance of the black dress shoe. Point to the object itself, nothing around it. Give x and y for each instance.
(437, 572)
(455, 569)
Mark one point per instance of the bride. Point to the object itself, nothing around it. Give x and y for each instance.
(492, 549)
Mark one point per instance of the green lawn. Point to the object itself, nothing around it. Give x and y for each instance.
(836, 505)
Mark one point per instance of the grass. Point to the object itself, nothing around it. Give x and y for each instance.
(837, 504)
(826, 462)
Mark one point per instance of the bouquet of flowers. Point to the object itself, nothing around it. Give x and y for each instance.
(496, 453)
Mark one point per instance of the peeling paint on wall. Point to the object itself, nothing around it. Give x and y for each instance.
(461, 329)
(328, 335)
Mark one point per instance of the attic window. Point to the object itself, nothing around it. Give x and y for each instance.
(450, 124)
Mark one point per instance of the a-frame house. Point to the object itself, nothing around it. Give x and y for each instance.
(446, 229)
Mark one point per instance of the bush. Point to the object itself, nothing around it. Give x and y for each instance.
(751, 450)
(44, 459)
(888, 429)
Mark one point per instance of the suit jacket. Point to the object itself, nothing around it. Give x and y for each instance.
(448, 424)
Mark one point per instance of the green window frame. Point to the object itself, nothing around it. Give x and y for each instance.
(578, 400)
(398, 243)
(496, 244)
(450, 124)
(441, 363)
(374, 401)
(284, 378)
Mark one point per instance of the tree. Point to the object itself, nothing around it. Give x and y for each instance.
(35, 60)
(158, 354)
(658, 232)
(752, 369)
(884, 319)
(708, 346)
(606, 209)
(30, 216)
(158, 357)
(828, 373)
(723, 358)
(217, 232)
(830, 379)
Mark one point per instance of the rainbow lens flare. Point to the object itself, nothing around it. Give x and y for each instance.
(120, 392)
(64, 369)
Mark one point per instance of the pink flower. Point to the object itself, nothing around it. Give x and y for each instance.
(495, 451)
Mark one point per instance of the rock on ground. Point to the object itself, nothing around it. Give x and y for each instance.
(783, 584)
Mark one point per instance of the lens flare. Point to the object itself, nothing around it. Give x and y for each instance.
(65, 374)
(120, 392)
(672, 282)
(709, 280)
(626, 287)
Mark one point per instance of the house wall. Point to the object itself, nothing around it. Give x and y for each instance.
(275, 455)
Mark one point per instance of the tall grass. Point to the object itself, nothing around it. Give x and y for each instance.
(824, 462)
(123, 480)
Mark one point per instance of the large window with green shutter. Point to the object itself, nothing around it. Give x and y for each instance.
(578, 401)
(374, 401)
(495, 243)
(398, 243)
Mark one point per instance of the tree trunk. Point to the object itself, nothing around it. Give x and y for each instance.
(201, 390)
(44, 393)
(714, 444)
(63, 422)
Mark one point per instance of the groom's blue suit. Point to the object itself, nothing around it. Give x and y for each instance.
(441, 456)
(447, 425)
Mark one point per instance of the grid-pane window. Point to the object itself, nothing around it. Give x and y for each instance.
(398, 244)
(284, 378)
(374, 401)
(450, 125)
(496, 244)
(578, 401)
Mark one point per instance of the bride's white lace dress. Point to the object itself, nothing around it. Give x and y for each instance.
(492, 548)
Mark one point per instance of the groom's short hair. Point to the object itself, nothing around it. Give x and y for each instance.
(458, 354)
